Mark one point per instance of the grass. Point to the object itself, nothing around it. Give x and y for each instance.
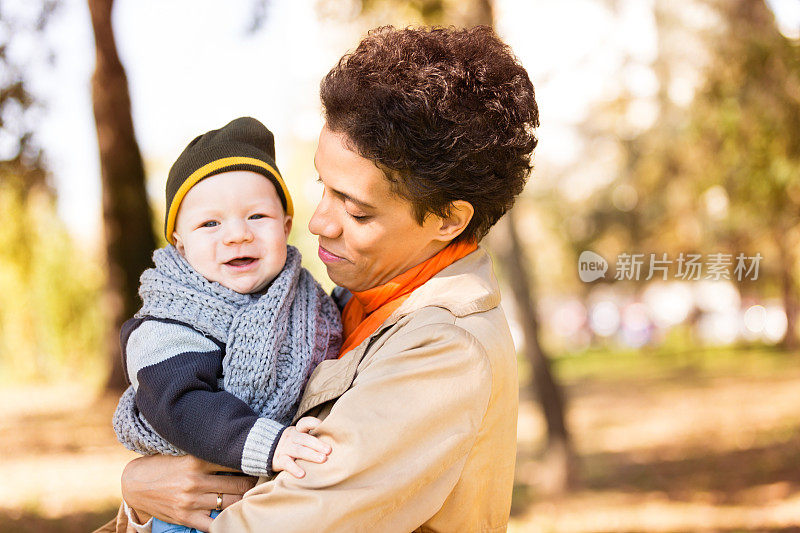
(700, 440)
(602, 364)
(60, 460)
(704, 440)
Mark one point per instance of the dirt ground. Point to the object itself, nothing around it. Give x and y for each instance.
(675, 454)
(679, 453)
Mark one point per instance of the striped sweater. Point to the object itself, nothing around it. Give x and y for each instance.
(176, 374)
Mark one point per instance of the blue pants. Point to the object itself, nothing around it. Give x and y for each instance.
(163, 527)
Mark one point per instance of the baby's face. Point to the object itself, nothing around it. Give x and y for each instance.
(232, 229)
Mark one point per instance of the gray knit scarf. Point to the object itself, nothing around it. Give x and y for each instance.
(273, 339)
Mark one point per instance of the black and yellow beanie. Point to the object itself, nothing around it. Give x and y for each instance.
(243, 144)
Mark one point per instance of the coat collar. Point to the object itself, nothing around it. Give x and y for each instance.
(465, 287)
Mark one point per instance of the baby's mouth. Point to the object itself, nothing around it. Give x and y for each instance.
(241, 261)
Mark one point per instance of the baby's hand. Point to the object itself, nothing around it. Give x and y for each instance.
(296, 443)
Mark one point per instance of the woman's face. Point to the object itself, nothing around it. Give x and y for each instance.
(367, 234)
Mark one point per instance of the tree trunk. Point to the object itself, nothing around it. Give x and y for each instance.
(560, 462)
(481, 12)
(127, 219)
(789, 294)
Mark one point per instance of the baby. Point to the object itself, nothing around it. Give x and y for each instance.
(231, 325)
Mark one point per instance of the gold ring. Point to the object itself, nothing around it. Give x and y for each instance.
(219, 502)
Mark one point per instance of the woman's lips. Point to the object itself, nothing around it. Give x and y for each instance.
(328, 257)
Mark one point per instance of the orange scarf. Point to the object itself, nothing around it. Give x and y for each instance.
(367, 310)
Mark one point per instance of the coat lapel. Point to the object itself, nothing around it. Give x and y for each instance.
(456, 288)
(330, 379)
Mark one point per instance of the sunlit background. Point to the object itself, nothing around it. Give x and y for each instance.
(668, 172)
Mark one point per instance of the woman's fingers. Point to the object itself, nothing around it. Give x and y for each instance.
(225, 484)
(180, 490)
(197, 516)
(208, 501)
(200, 520)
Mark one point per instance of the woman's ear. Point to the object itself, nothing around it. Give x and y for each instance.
(451, 226)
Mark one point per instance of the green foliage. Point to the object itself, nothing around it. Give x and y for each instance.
(21, 160)
(51, 321)
(747, 116)
(723, 173)
(375, 13)
(671, 362)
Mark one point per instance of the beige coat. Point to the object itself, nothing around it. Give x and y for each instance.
(421, 417)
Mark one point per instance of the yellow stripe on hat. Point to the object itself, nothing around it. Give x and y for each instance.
(207, 169)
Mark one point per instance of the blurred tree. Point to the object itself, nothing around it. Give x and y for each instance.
(561, 469)
(560, 460)
(721, 174)
(48, 291)
(21, 158)
(650, 205)
(127, 218)
(745, 122)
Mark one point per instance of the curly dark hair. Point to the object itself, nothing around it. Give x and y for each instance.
(447, 114)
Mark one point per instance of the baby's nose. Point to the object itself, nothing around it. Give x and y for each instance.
(237, 231)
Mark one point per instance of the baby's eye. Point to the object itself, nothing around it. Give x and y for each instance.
(209, 224)
(257, 216)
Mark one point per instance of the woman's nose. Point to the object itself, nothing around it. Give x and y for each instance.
(237, 231)
(322, 222)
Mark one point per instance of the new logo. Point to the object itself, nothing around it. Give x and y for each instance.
(591, 266)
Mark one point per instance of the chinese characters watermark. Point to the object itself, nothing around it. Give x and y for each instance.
(686, 267)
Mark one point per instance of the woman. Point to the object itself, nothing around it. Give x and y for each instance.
(427, 142)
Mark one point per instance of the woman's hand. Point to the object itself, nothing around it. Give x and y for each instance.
(297, 443)
(180, 490)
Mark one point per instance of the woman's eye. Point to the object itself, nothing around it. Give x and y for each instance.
(359, 218)
(209, 224)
